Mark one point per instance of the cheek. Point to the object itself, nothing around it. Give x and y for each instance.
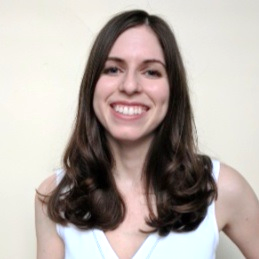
(163, 99)
(97, 101)
(103, 90)
(161, 94)
(94, 102)
(98, 110)
(99, 93)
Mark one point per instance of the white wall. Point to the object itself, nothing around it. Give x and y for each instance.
(43, 50)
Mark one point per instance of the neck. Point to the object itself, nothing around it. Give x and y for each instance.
(129, 160)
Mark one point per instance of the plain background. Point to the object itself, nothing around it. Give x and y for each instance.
(44, 45)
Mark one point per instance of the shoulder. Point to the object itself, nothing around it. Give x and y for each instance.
(231, 183)
(48, 185)
(237, 210)
(49, 244)
(42, 192)
(234, 194)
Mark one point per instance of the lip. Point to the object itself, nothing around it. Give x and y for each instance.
(127, 103)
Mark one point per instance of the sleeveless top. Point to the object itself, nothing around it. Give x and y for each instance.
(198, 244)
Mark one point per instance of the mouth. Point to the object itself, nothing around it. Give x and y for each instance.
(129, 110)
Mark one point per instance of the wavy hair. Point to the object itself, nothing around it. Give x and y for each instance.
(179, 177)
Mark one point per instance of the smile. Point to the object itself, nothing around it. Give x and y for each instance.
(129, 110)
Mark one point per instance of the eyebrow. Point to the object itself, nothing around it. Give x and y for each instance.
(146, 61)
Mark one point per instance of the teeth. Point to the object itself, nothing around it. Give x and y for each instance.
(125, 110)
(131, 111)
(128, 110)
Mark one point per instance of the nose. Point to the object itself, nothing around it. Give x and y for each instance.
(130, 83)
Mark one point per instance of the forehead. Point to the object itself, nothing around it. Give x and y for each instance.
(138, 42)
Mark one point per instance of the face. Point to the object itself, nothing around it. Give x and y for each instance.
(132, 94)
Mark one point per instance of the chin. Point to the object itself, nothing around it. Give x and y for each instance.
(131, 138)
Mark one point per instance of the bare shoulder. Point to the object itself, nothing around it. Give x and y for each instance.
(48, 185)
(49, 244)
(44, 189)
(232, 184)
(237, 211)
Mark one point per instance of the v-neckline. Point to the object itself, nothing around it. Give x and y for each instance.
(143, 252)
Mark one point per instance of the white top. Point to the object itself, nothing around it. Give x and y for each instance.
(198, 244)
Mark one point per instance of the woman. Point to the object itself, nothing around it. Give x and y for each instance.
(133, 184)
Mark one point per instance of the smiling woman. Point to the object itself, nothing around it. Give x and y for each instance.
(132, 94)
(133, 184)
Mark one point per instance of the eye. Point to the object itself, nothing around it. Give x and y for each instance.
(113, 70)
(153, 73)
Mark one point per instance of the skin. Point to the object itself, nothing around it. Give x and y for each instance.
(134, 77)
(129, 80)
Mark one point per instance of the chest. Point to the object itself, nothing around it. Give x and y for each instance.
(128, 238)
(200, 243)
(127, 242)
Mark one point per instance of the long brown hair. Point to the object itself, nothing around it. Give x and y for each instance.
(180, 178)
